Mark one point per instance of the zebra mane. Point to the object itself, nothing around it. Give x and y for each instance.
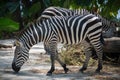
(19, 33)
(102, 17)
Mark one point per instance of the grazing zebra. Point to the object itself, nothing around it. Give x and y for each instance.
(66, 30)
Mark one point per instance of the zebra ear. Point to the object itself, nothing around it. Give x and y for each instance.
(17, 43)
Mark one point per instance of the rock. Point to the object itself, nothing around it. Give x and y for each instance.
(112, 45)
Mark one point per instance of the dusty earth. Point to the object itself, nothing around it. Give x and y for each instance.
(38, 65)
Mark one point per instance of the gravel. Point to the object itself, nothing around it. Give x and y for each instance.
(38, 65)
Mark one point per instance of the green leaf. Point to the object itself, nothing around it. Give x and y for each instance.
(83, 2)
(8, 25)
(34, 9)
(66, 3)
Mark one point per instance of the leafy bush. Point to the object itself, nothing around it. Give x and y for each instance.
(7, 25)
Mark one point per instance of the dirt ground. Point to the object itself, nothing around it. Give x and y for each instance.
(38, 65)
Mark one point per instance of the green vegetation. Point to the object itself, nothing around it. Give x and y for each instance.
(9, 25)
(32, 10)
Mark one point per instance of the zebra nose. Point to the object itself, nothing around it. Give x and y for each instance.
(15, 68)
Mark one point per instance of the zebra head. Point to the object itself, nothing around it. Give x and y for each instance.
(20, 56)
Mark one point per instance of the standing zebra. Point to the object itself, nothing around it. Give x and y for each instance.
(66, 30)
(57, 11)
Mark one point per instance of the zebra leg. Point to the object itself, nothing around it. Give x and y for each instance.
(52, 51)
(100, 55)
(46, 48)
(99, 51)
(88, 53)
(61, 63)
(52, 57)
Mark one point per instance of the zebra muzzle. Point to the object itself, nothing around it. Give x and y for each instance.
(15, 68)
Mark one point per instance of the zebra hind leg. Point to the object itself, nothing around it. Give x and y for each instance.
(100, 55)
(61, 63)
(99, 52)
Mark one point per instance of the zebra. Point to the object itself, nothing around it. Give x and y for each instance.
(58, 11)
(59, 29)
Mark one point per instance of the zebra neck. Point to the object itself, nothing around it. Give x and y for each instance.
(36, 33)
(25, 45)
(30, 36)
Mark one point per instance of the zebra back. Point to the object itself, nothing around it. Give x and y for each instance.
(67, 29)
(74, 29)
(57, 11)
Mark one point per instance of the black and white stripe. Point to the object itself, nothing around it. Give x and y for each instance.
(58, 11)
(67, 30)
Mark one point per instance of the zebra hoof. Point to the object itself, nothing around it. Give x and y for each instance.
(97, 71)
(49, 74)
(82, 70)
(66, 70)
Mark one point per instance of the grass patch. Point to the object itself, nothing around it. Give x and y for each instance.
(74, 55)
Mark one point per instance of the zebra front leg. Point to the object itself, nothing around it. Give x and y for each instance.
(52, 57)
(61, 63)
(46, 48)
(52, 47)
(88, 53)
